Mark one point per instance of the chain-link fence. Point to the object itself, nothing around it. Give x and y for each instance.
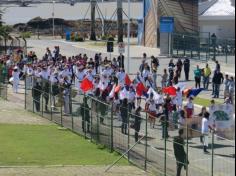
(203, 48)
(3, 84)
(155, 149)
(13, 43)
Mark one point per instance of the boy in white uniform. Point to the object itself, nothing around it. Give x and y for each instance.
(205, 130)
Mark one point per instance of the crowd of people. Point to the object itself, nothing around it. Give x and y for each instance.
(107, 81)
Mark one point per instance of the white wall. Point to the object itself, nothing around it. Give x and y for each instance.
(222, 28)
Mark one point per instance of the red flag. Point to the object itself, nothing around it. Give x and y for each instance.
(86, 85)
(140, 89)
(127, 80)
(169, 90)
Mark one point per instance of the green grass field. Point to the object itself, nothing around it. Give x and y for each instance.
(48, 145)
(203, 101)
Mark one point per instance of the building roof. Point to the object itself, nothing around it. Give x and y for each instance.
(216, 8)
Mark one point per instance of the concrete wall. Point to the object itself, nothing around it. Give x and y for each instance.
(223, 28)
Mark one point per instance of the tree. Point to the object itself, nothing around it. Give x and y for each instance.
(120, 20)
(93, 21)
(1, 12)
(5, 34)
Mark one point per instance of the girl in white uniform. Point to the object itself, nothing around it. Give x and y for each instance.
(16, 79)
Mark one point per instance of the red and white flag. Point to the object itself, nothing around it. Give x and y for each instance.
(86, 85)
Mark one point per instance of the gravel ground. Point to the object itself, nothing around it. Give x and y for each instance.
(72, 171)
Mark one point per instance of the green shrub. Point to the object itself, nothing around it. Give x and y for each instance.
(108, 37)
(26, 34)
(80, 39)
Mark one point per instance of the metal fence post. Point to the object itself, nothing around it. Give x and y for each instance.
(61, 96)
(212, 153)
(186, 162)
(112, 116)
(33, 101)
(146, 126)
(226, 53)
(42, 103)
(165, 138)
(72, 119)
(25, 91)
(98, 122)
(84, 124)
(128, 134)
(91, 120)
(50, 96)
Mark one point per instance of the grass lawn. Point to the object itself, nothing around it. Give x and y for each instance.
(47, 145)
(203, 101)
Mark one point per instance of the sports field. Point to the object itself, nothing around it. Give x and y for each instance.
(49, 145)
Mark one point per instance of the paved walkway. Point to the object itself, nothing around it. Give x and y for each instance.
(72, 48)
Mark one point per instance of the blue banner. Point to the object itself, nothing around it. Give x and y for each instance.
(167, 24)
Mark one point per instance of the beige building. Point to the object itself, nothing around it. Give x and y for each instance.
(217, 16)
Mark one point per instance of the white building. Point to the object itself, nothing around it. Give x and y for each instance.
(217, 16)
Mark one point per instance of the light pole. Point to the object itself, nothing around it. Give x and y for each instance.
(128, 50)
(103, 23)
(53, 23)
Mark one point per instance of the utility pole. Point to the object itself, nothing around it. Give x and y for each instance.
(93, 20)
(120, 20)
(53, 21)
(128, 52)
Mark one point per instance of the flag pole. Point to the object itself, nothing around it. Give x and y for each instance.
(128, 51)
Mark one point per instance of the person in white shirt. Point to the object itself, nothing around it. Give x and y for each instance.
(205, 131)
(44, 74)
(179, 99)
(121, 77)
(79, 76)
(152, 113)
(16, 79)
(190, 107)
(145, 73)
(28, 71)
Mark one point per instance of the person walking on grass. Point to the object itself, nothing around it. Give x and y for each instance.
(179, 152)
